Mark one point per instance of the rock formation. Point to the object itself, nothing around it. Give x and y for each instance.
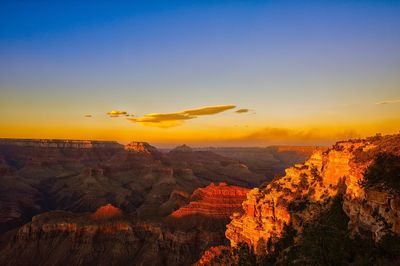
(295, 197)
(106, 212)
(214, 201)
(141, 147)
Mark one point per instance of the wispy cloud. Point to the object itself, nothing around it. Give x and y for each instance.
(165, 120)
(242, 110)
(117, 113)
(208, 110)
(88, 115)
(155, 118)
(388, 102)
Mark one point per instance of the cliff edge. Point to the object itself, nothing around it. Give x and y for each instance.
(296, 198)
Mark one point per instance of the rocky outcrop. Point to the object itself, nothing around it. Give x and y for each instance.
(141, 147)
(106, 212)
(214, 201)
(296, 197)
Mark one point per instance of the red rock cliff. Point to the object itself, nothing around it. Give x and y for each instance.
(214, 201)
(324, 175)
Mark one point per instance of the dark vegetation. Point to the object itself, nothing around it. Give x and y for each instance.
(385, 170)
(298, 205)
(325, 241)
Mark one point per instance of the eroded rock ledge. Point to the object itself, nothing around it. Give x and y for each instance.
(214, 201)
(290, 199)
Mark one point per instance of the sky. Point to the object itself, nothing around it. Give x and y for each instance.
(205, 73)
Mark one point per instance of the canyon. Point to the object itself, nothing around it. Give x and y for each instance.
(102, 202)
(109, 234)
(63, 196)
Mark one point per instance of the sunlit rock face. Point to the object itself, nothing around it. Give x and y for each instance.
(107, 211)
(293, 198)
(140, 147)
(218, 201)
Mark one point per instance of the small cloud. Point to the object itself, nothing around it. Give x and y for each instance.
(88, 115)
(117, 113)
(242, 110)
(388, 102)
(157, 118)
(208, 110)
(166, 120)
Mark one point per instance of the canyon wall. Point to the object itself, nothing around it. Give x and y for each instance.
(295, 198)
(216, 201)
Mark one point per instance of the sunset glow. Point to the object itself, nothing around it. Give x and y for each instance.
(150, 71)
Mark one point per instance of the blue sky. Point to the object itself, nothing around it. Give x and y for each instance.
(287, 60)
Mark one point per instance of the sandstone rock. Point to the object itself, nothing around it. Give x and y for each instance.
(140, 147)
(214, 201)
(324, 175)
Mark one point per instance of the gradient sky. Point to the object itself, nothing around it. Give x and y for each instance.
(310, 72)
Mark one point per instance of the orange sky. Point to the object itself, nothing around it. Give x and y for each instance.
(227, 128)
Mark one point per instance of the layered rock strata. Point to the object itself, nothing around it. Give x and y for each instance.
(218, 201)
(294, 198)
